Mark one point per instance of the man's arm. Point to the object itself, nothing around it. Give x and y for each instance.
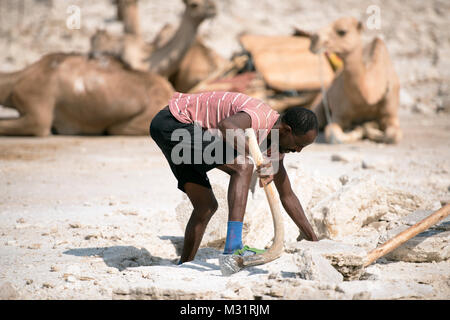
(291, 203)
(237, 123)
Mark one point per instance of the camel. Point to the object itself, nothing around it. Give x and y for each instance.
(162, 59)
(364, 96)
(72, 94)
(199, 62)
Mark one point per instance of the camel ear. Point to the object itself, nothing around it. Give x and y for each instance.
(360, 26)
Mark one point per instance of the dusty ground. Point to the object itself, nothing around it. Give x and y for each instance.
(85, 217)
(95, 217)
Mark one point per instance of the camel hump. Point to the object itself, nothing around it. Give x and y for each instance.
(376, 51)
(51, 61)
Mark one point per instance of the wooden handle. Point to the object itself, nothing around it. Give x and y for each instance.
(253, 147)
(277, 246)
(409, 233)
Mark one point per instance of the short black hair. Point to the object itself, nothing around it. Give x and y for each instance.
(300, 119)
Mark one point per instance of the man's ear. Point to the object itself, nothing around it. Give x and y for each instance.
(286, 128)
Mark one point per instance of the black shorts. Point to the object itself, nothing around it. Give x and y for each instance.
(193, 167)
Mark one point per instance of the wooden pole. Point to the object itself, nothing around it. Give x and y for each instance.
(409, 233)
(276, 249)
(230, 264)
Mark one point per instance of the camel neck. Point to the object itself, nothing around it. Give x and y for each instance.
(166, 60)
(354, 69)
(353, 62)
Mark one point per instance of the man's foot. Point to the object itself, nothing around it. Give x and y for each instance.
(247, 251)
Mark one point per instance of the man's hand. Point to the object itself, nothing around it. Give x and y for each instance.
(265, 172)
(291, 203)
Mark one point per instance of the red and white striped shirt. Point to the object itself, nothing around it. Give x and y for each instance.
(207, 109)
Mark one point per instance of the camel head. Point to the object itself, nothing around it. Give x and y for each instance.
(341, 37)
(104, 43)
(200, 10)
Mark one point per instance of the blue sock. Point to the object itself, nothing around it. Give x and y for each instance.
(234, 237)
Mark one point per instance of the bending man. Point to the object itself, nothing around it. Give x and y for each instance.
(211, 126)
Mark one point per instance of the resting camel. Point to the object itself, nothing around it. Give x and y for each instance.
(72, 94)
(364, 96)
(163, 59)
(198, 63)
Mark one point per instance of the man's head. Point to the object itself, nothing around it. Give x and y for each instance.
(298, 129)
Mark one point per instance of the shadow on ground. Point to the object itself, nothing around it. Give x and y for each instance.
(177, 242)
(122, 257)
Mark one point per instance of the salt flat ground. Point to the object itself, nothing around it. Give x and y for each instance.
(85, 217)
(95, 217)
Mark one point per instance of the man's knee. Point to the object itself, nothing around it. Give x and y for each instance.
(213, 206)
(206, 208)
(245, 169)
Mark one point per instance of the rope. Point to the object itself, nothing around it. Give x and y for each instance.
(322, 89)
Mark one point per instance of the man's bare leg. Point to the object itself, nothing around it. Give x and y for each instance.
(205, 205)
(240, 178)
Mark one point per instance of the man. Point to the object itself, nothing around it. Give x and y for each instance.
(228, 112)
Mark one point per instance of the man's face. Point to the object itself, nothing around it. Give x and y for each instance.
(290, 142)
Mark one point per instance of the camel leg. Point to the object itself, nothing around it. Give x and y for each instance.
(35, 120)
(382, 134)
(387, 131)
(354, 135)
(372, 131)
(335, 135)
(26, 125)
(389, 122)
(392, 133)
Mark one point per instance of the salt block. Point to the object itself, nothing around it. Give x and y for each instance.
(358, 203)
(345, 258)
(419, 215)
(313, 266)
(428, 246)
(190, 281)
(347, 210)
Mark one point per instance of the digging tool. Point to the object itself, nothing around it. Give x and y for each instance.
(352, 263)
(356, 269)
(409, 233)
(230, 264)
